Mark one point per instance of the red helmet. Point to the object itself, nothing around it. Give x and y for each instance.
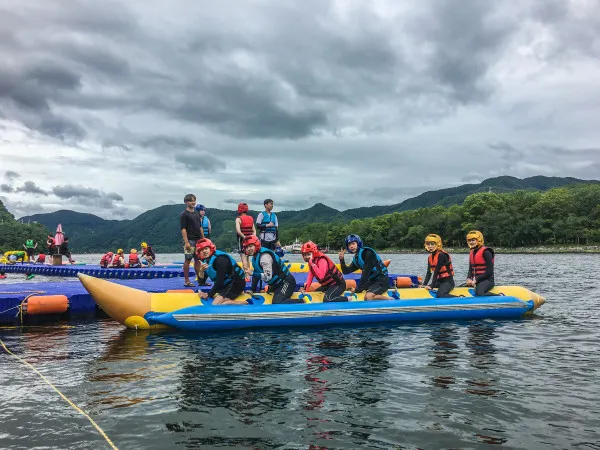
(309, 247)
(203, 243)
(242, 208)
(251, 240)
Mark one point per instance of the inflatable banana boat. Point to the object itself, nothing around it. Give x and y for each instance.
(143, 310)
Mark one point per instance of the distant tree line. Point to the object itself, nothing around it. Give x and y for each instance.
(567, 215)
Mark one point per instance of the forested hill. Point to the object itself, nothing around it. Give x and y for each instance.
(14, 234)
(160, 226)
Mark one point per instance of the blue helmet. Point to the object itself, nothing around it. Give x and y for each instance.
(279, 251)
(200, 208)
(353, 238)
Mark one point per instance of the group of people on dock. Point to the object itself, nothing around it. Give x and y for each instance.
(262, 264)
(135, 259)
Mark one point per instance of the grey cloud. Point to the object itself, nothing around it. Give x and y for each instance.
(29, 187)
(6, 188)
(10, 175)
(162, 143)
(70, 191)
(199, 160)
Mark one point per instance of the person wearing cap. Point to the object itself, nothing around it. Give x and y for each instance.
(268, 227)
(481, 264)
(439, 268)
(148, 254)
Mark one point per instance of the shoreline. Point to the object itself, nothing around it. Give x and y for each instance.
(503, 250)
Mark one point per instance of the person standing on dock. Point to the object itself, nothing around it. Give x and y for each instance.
(191, 231)
(204, 221)
(29, 247)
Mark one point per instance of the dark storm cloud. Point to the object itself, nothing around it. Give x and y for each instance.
(29, 187)
(6, 188)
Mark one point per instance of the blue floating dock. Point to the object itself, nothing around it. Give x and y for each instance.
(94, 270)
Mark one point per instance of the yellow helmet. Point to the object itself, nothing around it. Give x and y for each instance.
(474, 234)
(434, 238)
(133, 250)
(144, 245)
(120, 251)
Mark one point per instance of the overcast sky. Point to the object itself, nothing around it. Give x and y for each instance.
(116, 107)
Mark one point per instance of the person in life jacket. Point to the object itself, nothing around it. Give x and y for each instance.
(51, 245)
(439, 268)
(227, 275)
(118, 260)
(41, 259)
(134, 259)
(268, 226)
(481, 264)
(148, 254)
(269, 268)
(30, 246)
(204, 221)
(106, 259)
(244, 227)
(324, 270)
(374, 278)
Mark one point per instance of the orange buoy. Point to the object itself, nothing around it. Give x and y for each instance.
(180, 291)
(350, 284)
(387, 262)
(403, 282)
(46, 304)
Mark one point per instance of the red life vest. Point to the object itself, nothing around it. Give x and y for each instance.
(445, 271)
(333, 274)
(247, 222)
(116, 262)
(105, 260)
(133, 259)
(51, 243)
(41, 258)
(477, 261)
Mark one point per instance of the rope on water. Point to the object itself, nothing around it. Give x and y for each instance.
(63, 396)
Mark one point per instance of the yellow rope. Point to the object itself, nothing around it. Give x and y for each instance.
(73, 405)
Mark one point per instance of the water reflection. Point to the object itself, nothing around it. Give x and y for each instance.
(482, 357)
(444, 353)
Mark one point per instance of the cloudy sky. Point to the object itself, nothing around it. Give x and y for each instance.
(116, 107)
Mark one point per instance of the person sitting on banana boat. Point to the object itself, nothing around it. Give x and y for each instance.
(148, 254)
(41, 259)
(228, 277)
(481, 264)
(374, 277)
(324, 270)
(118, 260)
(439, 268)
(204, 221)
(134, 259)
(106, 260)
(269, 268)
(244, 227)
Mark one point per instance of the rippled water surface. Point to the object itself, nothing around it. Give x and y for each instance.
(530, 383)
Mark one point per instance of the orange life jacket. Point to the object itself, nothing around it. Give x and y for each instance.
(477, 261)
(333, 274)
(246, 225)
(134, 258)
(445, 271)
(116, 262)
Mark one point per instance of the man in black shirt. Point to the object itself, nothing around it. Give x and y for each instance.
(191, 231)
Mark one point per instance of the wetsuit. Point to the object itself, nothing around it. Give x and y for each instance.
(374, 277)
(439, 269)
(269, 268)
(481, 267)
(228, 277)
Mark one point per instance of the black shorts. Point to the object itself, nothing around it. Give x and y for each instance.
(268, 244)
(233, 289)
(29, 252)
(379, 286)
(240, 245)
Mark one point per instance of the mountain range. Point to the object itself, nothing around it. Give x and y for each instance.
(160, 226)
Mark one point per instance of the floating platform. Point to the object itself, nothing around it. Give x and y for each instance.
(170, 271)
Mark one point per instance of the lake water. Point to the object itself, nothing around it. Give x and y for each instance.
(528, 384)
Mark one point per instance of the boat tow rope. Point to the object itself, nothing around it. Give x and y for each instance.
(20, 305)
(63, 396)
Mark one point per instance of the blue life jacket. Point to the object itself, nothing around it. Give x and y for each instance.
(266, 219)
(280, 270)
(379, 269)
(204, 224)
(212, 273)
